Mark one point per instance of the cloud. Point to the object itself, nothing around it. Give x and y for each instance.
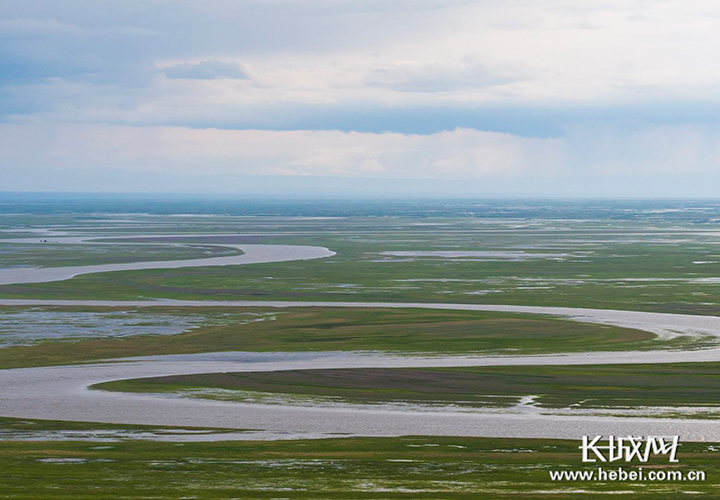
(145, 85)
(644, 149)
(436, 76)
(641, 160)
(457, 154)
(52, 51)
(207, 70)
(354, 53)
(29, 27)
(460, 154)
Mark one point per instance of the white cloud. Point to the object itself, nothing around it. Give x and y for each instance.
(207, 70)
(552, 52)
(36, 27)
(458, 154)
(649, 150)
(71, 71)
(436, 76)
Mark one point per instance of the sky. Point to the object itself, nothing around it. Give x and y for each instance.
(320, 98)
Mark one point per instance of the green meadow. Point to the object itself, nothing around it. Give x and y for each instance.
(662, 270)
(400, 331)
(360, 468)
(620, 387)
(565, 255)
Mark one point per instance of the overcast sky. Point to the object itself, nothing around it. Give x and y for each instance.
(426, 97)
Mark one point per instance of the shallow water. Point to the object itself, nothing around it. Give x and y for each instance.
(31, 326)
(252, 254)
(60, 393)
(665, 325)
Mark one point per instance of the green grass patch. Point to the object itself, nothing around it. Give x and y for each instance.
(616, 386)
(88, 254)
(317, 329)
(362, 468)
(613, 269)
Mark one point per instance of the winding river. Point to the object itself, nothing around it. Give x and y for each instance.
(252, 254)
(61, 393)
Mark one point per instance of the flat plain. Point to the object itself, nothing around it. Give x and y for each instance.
(650, 257)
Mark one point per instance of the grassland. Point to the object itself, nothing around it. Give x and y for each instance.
(361, 468)
(61, 255)
(604, 386)
(667, 271)
(607, 256)
(317, 329)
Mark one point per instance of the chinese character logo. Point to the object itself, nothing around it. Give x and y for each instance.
(628, 448)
